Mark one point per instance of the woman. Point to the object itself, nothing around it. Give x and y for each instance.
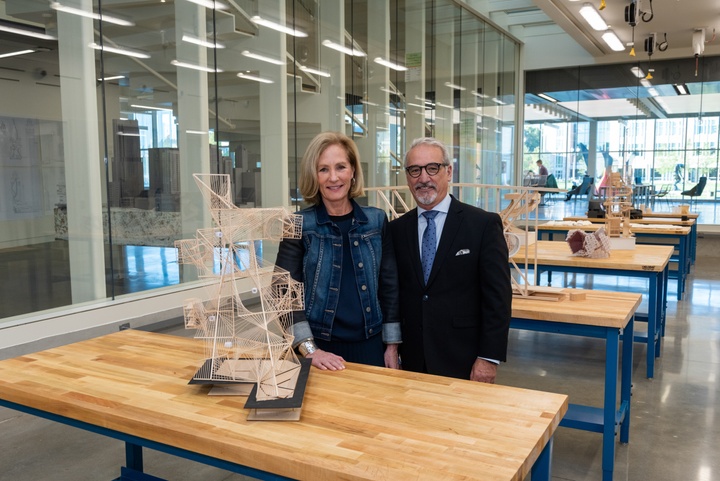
(345, 260)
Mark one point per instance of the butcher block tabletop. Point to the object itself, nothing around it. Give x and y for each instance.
(363, 423)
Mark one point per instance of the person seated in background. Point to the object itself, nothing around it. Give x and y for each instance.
(542, 170)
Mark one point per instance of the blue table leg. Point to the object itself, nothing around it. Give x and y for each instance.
(626, 380)
(693, 241)
(612, 342)
(542, 468)
(653, 323)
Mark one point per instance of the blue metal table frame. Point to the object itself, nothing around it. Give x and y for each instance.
(657, 291)
(683, 259)
(614, 416)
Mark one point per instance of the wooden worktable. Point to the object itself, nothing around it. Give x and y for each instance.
(363, 423)
(642, 258)
(636, 227)
(645, 221)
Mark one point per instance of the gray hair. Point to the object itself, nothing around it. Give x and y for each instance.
(433, 142)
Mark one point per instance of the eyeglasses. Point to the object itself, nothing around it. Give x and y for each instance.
(432, 168)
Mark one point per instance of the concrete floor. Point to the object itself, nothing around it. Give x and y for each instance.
(675, 423)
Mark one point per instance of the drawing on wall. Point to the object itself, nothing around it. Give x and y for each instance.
(245, 343)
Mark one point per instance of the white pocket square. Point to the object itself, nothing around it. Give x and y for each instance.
(462, 252)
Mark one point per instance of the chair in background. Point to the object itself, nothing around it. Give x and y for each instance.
(661, 193)
(695, 191)
(586, 188)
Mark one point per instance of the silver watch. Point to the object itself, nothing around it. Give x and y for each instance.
(306, 347)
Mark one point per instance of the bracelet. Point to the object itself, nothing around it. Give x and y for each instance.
(306, 347)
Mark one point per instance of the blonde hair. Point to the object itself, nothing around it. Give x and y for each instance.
(308, 183)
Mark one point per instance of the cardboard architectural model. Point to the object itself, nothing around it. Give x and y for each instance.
(244, 344)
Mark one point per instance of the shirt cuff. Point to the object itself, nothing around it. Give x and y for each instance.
(494, 361)
(391, 333)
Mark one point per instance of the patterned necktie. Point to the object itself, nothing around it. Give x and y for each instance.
(429, 243)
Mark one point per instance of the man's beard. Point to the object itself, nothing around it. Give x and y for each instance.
(428, 198)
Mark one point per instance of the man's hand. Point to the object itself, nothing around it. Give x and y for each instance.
(391, 356)
(326, 361)
(483, 371)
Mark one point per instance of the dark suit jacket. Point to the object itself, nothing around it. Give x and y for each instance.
(464, 311)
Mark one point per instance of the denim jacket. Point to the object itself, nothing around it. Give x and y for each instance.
(316, 260)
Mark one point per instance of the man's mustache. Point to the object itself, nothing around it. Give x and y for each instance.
(425, 185)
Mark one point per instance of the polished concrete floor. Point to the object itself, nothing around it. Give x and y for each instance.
(675, 422)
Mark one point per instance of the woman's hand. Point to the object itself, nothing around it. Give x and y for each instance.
(326, 361)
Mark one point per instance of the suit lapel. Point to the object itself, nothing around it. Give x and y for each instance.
(450, 229)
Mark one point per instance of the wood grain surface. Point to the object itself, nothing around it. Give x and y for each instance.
(670, 230)
(363, 423)
(598, 308)
(643, 257)
(646, 221)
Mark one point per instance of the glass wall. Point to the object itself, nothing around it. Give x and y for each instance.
(656, 124)
(109, 107)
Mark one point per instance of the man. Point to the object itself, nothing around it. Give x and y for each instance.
(455, 322)
(542, 170)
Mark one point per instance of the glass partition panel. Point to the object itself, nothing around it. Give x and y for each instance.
(109, 108)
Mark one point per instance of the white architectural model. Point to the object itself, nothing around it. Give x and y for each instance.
(241, 344)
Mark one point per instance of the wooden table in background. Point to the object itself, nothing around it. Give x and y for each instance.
(602, 315)
(675, 236)
(660, 218)
(645, 261)
(363, 423)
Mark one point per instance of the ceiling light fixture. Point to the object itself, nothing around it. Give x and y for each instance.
(36, 33)
(195, 67)
(593, 18)
(201, 42)
(389, 64)
(255, 78)
(454, 86)
(148, 107)
(114, 77)
(119, 51)
(321, 73)
(341, 48)
(262, 58)
(95, 16)
(613, 41)
(277, 27)
(547, 97)
(681, 89)
(211, 4)
(638, 72)
(12, 54)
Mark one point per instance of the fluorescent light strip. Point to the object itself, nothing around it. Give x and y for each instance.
(114, 77)
(262, 58)
(119, 51)
(314, 71)
(638, 72)
(613, 41)
(681, 89)
(12, 54)
(202, 68)
(95, 16)
(196, 132)
(123, 134)
(645, 83)
(593, 18)
(277, 27)
(482, 96)
(201, 42)
(148, 107)
(209, 4)
(454, 86)
(27, 33)
(343, 49)
(547, 97)
(498, 101)
(389, 64)
(255, 78)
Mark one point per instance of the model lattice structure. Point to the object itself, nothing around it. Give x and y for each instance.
(243, 344)
(618, 204)
(521, 205)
